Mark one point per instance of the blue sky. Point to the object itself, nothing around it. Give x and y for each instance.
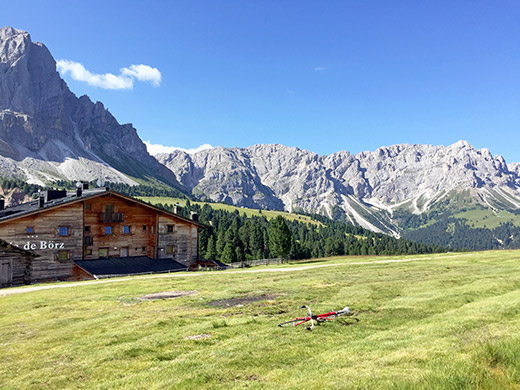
(320, 75)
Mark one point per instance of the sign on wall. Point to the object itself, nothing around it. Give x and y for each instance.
(41, 245)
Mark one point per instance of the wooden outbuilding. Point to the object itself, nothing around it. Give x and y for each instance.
(98, 224)
(15, 265)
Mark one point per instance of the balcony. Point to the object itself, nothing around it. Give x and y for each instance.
(111, 217)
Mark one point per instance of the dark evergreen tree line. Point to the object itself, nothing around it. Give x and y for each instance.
(70, 185)
(230, 237)
(8, 184)
(455, 234)
(138, 190)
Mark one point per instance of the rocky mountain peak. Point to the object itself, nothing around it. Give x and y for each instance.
(8, 31)
(48, 133)
(13, 43)
(29, 83)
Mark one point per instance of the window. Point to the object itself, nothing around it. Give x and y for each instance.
(169, 228)
(144, 249)
(108, 229)
(153, 229)
(103, 252)
(169, 249)
(87, 229)
(63, 231)
(63, 255)
(30, 230)
(126, 229)
(109, 208)
(144, 227)
(88, 252)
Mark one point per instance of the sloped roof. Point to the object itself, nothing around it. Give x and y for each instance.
(32, 207)
(4, 245)
(121, 266)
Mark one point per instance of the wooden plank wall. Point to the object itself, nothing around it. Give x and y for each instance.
(182, 238)
(136, 216)
(194, 242)
(21, 263)
(45, 240)
(166, 238)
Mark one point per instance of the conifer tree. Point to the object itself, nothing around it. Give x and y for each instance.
(239, 254)
(229, 254)
(221, 243)
(211, 252)
(279, 238)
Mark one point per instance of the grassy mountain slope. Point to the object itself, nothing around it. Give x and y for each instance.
(465, 220)
(269, 214)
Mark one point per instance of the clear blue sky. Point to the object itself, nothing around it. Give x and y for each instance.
(320, 75)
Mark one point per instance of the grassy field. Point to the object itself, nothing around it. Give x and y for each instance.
(269, 214)
(448, 321)
(488, 218)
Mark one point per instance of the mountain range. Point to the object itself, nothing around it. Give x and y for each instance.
(365, 188)
(47, 133)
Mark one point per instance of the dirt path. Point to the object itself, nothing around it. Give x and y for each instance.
(21, 290)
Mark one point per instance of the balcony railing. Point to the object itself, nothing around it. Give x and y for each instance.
(111, 217)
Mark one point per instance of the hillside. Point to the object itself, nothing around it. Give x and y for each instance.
(235, 234)
(443, 321)
(268, 214)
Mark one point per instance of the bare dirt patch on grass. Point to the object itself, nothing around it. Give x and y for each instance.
(198, 337)
(242, 300)
(167, 295)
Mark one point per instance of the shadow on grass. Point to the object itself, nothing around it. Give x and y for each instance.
(348, 322)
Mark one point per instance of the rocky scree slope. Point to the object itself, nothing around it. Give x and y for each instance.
(364, 188)
(47, 133)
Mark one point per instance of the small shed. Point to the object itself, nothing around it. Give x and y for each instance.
(205, 265)
(15, 265)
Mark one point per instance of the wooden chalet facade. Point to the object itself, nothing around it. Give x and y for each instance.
(61, 228)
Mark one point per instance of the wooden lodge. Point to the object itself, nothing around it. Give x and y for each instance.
(73, 235)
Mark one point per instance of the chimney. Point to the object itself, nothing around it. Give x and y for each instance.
(41, 201)
(2, 204)
(194, 216)
(177, 209)
(53, 194)
(82, 184)
(79, 189)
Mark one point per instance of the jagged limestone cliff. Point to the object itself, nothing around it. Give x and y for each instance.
(47, 133)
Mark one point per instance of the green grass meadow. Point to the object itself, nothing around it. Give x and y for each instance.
(269, 214)
(486, 218)
(448, 321)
